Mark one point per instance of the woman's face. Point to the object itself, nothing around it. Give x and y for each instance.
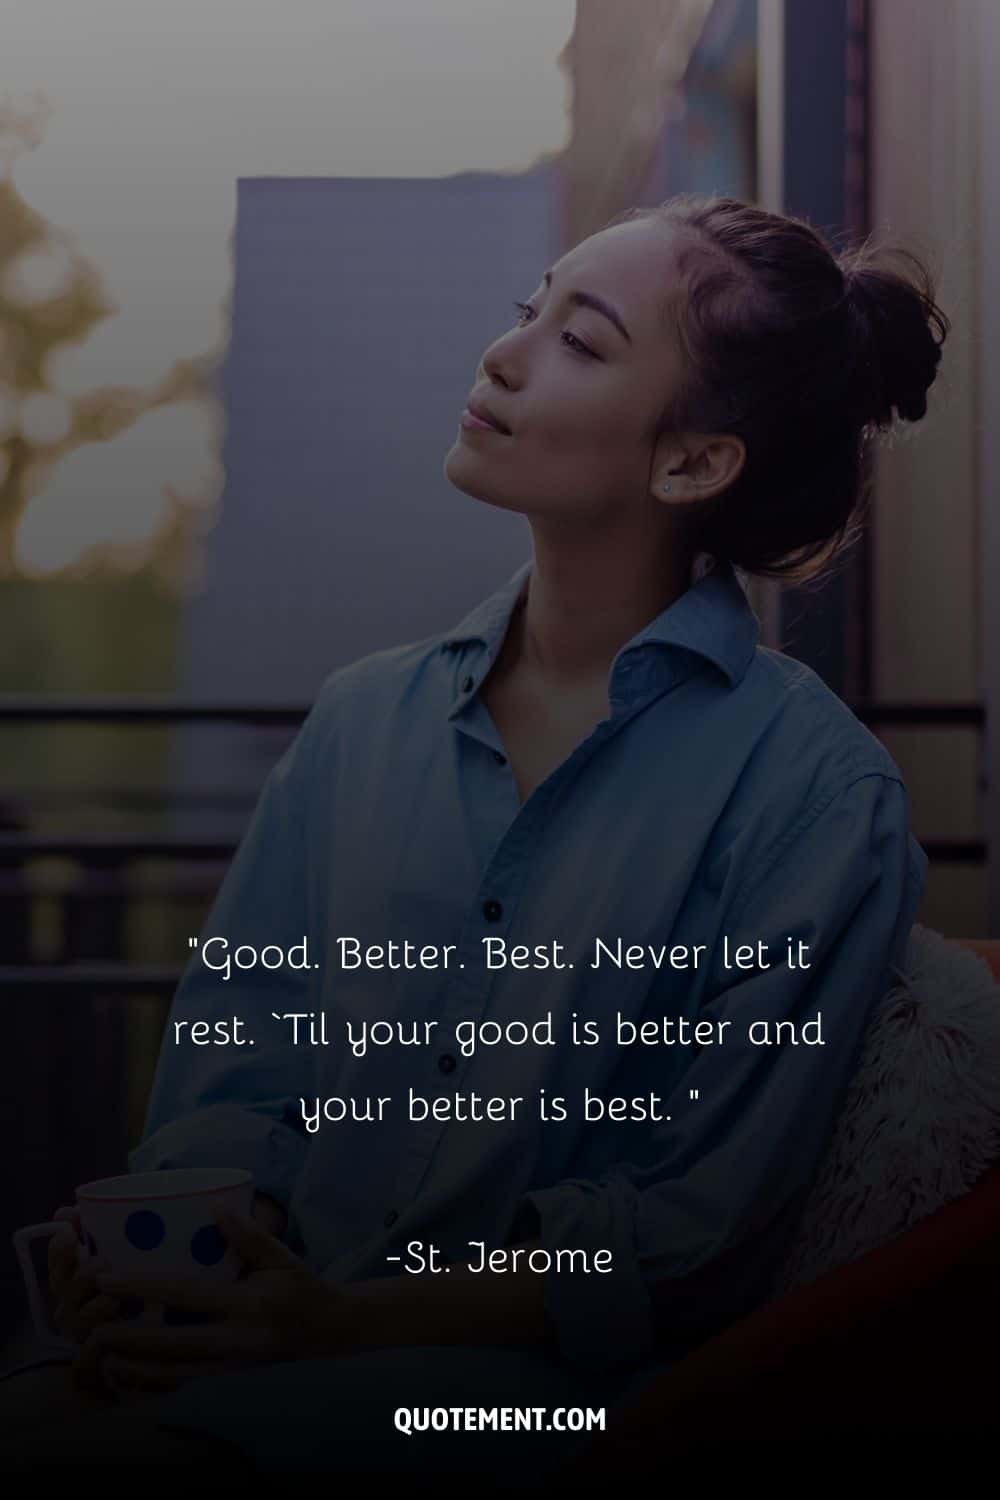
(579, 383)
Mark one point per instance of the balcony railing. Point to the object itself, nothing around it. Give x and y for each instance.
(105, 858)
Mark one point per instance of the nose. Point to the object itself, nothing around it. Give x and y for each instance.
(499, 364)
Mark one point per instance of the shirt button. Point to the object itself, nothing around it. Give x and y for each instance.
(492, 911)
(501, 760)
(390, 1218)
(447, 1063)
(467, 684)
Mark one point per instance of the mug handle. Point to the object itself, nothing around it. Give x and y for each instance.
(23, 1241)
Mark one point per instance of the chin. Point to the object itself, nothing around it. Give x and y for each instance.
(466, 472)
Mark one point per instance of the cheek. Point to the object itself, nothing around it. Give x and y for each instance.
(586, 410)
(580, 440)
(588, 432)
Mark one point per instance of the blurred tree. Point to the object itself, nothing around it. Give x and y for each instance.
(33, 327)
(625, 64)
(51, 296)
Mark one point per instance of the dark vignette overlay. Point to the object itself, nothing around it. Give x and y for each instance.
(497, 930)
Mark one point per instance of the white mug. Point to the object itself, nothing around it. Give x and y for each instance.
(147, 1223)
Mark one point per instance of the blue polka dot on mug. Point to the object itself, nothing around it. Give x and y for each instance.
(207, 1245)
(165, 1223)
(145, 1229)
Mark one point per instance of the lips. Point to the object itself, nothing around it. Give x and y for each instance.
(484, 414)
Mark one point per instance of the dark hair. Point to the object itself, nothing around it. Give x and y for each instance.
(806, 355)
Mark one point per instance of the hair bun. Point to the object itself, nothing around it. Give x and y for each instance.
(899, 333)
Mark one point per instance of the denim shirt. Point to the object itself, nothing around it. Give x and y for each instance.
(728, 796)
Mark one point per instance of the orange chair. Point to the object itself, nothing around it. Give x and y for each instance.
(988, 948)
(906, 1337)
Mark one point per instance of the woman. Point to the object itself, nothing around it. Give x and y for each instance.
(599, 800)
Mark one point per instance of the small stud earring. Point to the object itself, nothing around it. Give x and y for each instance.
(666, 488)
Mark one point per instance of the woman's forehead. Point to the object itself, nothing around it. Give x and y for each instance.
(631, 264)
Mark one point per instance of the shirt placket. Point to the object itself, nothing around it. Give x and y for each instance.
(493, 907)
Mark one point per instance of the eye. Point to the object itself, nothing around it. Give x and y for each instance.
(577, 345)
(570, 339)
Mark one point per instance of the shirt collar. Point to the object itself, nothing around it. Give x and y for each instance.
(712, 619)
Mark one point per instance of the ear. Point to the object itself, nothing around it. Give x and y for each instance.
(695, 466)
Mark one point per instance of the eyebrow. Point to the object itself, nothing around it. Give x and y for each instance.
(587, 299)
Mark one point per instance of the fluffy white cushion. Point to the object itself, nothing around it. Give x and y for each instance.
(921, 1119)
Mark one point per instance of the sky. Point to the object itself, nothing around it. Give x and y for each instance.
(158, 108)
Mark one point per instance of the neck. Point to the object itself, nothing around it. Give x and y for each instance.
(589, 594)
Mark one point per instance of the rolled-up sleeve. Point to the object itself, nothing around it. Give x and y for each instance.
(236, 1105)
(697, 1226)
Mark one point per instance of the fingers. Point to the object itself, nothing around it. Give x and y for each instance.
(174, 1352)
(98, 1310)
(196, 1296)
(260, 1250)
(110, 1374)
(144, 1376)
(269, 1215)
(62, 1261)
(135, 1341)
(135, 1375)
(76, 1293)
(80, 1286)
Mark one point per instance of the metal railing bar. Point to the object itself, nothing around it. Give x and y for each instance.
(921, 715)
(169, 799)
(90, 976)
(98, 847)
(95, 846)
(24, 708)
(955, 851)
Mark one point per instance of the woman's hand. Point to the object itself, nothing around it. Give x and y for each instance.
(280, 1311)
(79, 1306)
